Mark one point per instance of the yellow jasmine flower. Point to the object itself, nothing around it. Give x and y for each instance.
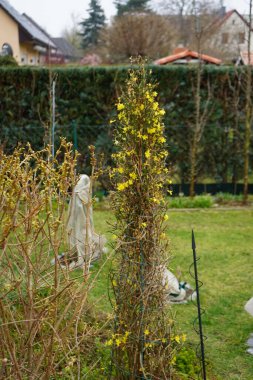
(173, 360)
(122, 186)
(133, 175)
(151, 130)
(146, 332)
(120, 106)
(147, 153)
(166, 217)
(118, 341)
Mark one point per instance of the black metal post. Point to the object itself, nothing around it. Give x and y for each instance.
(142, 265)
(199, 308)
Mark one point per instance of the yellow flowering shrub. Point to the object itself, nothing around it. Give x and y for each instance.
(45, 330)
(140, 178)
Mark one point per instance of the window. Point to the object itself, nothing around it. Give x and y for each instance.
(24, 59)
(224, 38)
(7, 49)
(241, 38)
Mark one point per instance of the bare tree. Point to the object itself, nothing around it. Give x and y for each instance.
(201, 114)
(72, 33)
(148, 35)
(181, 15)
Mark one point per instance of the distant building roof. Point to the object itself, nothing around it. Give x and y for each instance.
(219, 21)
(68, 50)
(40, 31)
(27, 24)
(187, 56)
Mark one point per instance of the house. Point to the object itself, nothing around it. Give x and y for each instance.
(228, 35)
(25, 40)
(20, 38)
(65, 51)
(186, 56)
(244, 58)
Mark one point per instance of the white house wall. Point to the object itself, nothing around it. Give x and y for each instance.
(227, 37)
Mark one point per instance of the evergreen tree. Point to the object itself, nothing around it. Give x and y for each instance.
(124, 6)
(92, 25)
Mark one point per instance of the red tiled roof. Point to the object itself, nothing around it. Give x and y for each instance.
(187, 55)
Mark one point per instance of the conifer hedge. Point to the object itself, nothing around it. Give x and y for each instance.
(85, 100)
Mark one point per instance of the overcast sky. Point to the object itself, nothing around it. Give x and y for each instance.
(55, 15)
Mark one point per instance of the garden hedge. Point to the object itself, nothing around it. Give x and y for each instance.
(85, 102)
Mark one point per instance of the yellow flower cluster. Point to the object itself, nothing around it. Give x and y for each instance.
(118, 339)
(139, 177)
(179, 339)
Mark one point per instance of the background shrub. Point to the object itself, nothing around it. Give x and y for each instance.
(7, 60)
(85, 99)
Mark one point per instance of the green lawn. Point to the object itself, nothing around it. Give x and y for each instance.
(224, 242)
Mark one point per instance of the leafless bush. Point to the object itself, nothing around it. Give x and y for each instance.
(45, 328)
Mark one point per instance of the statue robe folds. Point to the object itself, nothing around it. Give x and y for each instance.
(80, 228)
(249, 306)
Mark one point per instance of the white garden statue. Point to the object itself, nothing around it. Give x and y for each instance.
(249, 308)
(85, 245)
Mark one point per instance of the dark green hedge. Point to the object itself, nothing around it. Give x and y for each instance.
(85, 102)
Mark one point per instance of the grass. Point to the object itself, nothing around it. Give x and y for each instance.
(200, 201)
(224, 244)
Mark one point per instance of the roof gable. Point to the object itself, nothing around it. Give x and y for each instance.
(187, 55)
(221, 20)
(31, 28)
(65, 47)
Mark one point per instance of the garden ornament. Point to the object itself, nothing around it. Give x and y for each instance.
(249, 308)
(177, 292)
(85, 245)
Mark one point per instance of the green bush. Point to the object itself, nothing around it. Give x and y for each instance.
(103, 356)
(226, 198)
(187, 363)
(7, 60)
(200, 201)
